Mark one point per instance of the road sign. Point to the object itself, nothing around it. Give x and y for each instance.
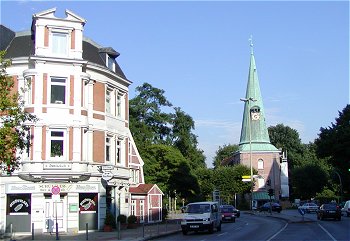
(246, 177)
(55, 190)
(246, 180)
(107, 176)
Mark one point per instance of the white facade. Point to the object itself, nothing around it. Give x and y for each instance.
(81, 147)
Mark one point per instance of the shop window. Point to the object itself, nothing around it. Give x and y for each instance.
(18, 204)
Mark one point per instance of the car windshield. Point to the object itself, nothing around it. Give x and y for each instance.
(198, 208)
(227, 210)
(330, 206)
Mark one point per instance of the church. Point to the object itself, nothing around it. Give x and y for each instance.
(255, 149)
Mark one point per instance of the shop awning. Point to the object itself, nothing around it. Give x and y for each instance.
(262, 196)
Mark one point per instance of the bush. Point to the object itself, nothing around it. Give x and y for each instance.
(132, 219)
(110, 219)
(121, 218)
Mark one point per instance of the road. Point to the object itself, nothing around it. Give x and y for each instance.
(265, 227)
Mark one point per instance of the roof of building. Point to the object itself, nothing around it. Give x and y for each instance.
(254, 131)
(20, 44)
(142, 189)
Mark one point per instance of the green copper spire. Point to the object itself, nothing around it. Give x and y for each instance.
(254, 109)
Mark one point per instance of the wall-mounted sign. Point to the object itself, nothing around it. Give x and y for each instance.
(107, 176)
(57, 166)
(106, 168)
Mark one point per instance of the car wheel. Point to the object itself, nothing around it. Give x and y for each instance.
(219, 227)
(339, 218)
(321, 217)
(211, 228)
(184, 231)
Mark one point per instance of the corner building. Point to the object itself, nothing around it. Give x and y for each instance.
(82, 159)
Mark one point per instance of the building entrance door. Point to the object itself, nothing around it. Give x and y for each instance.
(55, 212)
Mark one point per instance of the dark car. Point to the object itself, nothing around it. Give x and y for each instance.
(274, 206)
(329, 210)
(227, 213)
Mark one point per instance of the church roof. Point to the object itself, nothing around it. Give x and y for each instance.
(254, 129)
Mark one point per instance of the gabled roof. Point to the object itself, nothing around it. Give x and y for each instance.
(144, 189)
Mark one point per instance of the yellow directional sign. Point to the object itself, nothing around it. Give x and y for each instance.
(246, 177)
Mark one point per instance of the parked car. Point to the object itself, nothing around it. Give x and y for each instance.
(276, 207)
(309, 207)
(227, 213)
(346, 209)
(329, 210)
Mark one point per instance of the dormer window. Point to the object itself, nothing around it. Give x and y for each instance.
(110, 63)
(59, 43)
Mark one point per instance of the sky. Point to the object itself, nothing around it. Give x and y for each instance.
(198, 52)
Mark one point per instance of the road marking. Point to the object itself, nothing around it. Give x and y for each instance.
(222, 234)
(330, 235)
(278, 232)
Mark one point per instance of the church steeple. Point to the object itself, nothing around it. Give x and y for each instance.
(254, 109)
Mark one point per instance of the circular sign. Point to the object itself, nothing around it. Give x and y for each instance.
(55, 190)
(107, 176)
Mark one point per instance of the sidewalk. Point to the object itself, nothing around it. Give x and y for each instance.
(141, 233)
(148, 231)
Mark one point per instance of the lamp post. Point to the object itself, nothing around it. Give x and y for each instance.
(247, 100)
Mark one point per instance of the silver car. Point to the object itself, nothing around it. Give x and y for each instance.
(309, 207)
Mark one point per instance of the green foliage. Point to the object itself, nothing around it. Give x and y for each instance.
(164, 165)
(310, 179)
(132, 219)
(326, 196)
(224, 152)
(333, 143)
(15, 120)
(110, 219)
(121, 218)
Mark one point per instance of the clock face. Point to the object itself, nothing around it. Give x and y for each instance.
(255, 116)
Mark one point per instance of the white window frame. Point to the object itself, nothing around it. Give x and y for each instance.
(108, 150)
(119, 105)
(58, 82)
(110, 63)
(133, 207)
(62, 138)
(118, 158)
(108, 101)
(59, 43)
(260, 164)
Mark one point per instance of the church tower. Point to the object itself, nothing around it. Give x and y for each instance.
(255, 148)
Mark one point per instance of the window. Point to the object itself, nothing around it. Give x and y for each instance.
(260, 164)
(58, 90)
(59, 43)
(28, 90)
(119, 105)
(108, 149)
(108, 101)
(118, 159)
(110, 63)
(57, 144)
(142, 206)
(133, 207)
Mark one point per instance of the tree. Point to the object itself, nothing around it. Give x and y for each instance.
(289, 141)
(14, 120)
(223, 152)
(185, 140)
(148, 123)
(333, 143)
(166, 166)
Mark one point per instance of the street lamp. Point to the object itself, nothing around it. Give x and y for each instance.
(247, 100)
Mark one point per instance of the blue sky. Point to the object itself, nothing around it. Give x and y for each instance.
(198, 53)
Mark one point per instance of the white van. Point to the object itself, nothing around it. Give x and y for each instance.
(346, 209)
(200, 216)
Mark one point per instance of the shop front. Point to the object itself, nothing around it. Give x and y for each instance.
(50, 206)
